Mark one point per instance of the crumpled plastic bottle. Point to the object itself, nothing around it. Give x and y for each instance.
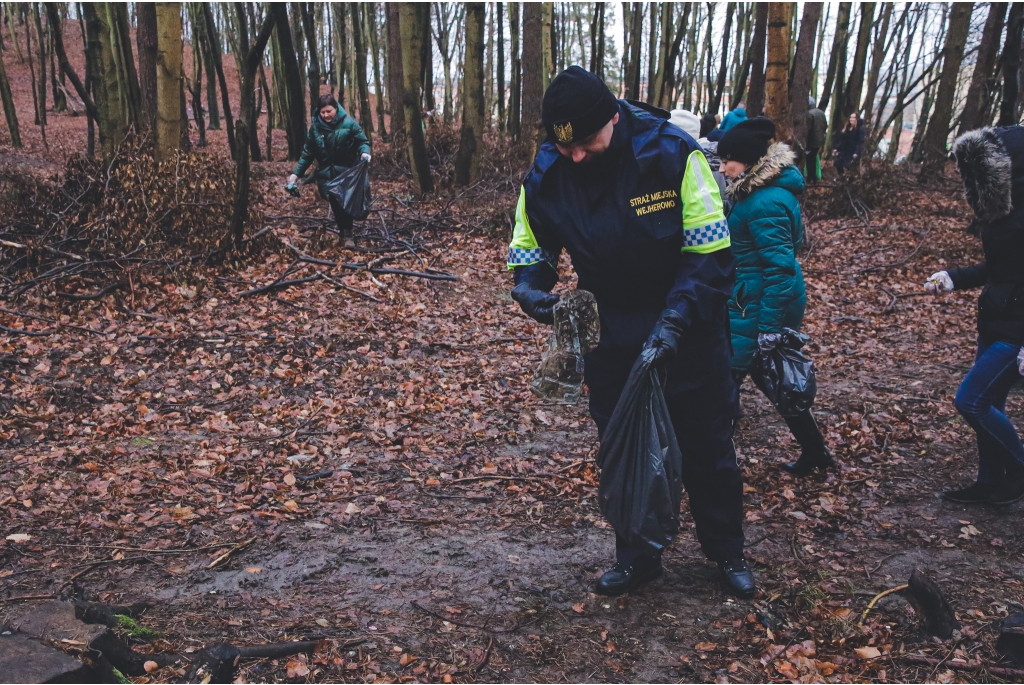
(577, 331)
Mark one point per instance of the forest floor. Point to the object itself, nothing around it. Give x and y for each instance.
(450, 531)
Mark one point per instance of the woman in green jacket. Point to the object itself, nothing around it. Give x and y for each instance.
(766, 230)
(335, 141)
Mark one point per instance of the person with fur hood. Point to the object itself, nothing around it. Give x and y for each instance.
(991, 164)
(766, 231)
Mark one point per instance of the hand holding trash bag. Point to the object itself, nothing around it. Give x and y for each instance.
(664, 338)
(783, 373)
(641, 464)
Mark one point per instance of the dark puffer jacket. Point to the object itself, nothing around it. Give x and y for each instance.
(332, 146)
(991, 162)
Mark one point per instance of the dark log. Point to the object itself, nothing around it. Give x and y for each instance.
(936, 614)
(962, 666)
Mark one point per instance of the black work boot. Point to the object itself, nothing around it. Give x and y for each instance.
(813, 453)
(1009, 490)
(978, 493)
(623, 578)
(737, 577)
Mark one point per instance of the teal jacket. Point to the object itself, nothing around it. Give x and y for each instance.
(766, 231)
(332, 146)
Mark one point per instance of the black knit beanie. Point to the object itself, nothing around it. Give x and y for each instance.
(577, 104)
(747, 141)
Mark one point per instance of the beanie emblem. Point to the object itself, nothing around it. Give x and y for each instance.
(563, 132)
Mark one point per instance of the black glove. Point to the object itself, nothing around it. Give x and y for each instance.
(533, 284)
(664, 339)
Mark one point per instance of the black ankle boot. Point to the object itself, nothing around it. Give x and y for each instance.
(737, 577)
(806, 465)
(813, 452)
(623, 578)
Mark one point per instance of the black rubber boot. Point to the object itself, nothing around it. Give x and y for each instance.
(978, 493)
(813, 452)
(1009, 490)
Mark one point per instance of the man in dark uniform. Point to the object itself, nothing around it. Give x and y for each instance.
(633, 201)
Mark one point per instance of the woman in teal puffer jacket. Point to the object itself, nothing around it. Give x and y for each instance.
(766, 230)
(335, 141)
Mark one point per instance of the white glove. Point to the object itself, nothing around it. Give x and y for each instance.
(292, 180)
(938, 283)
(1020, 361)
(366, 157)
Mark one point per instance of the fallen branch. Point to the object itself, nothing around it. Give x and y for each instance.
(464, 624)
(224, 557)
(963, 666)
(278, 285)
(874, 600)
(24, 331)
(338, 284)
(469, 479)
(25, 598)
(896, 296)
(96, 295)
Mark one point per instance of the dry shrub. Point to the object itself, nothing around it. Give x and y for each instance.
(131, 209)
(872, 184)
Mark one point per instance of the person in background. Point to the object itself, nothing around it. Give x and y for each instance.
(691, 125)
(335, 141)
(708, 123)
(991, 164)
(849, 142)
(687, 121)
(766, 230)
(817, 130)
(738, 114)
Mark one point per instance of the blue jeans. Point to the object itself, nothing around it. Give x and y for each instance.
(981, 400)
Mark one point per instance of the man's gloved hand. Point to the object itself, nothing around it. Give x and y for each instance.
(665, 337)
(938, 283)
(365, 157)
(537, 304)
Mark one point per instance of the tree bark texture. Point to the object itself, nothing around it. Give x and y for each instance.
(359, 47)
(979, 92)
(533, 77)
(415, 29)
(500, 59)
(467, 160)
(213, 38)
(877, 57)
(855, 84)
(839, 42)
(295, 127)
(396, 82)
(755, 96)
(837, 83)
(111, 106)
(145, 41)
(313, 63)
(952, 56)
(10, 114)
(1011, 65)
(803, 63)
(374, 47)
(168, 79)
(716, 98)
(515, 81)
(777, 72)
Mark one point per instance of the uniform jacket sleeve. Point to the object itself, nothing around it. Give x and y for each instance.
(773, 237)
(532, 242)
(968, 277)
(705, 278)
(308, 154)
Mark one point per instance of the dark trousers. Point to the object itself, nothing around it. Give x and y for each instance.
(803, 427)
(342, 219)
(981, 400)
(702, 418)
(814, 164)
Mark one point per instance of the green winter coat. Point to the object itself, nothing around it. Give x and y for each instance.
(332, 146)
(766, 230)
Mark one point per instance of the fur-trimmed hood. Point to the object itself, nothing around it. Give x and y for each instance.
(768, 171)
(986, 169)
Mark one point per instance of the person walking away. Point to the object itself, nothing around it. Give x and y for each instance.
(817, 130)
(991, 164)
(335, 141)
(632, 200)
(738, 114)
(849, 142)
(766, 230)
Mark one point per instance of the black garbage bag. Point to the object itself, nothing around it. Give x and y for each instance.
(783, 373)
(641, 465)
(352, 189)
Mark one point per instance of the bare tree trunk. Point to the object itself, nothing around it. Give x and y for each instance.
(145, 41)
(313, 69)
(168, 80)
(250, 58)
(839, 42)
(800, 87)
(295, 128)
(877, 58)
(359, 47)
(196, 91)
(111, 115)
(396, 81)
(652, 51)
(755, 97)
(1011, 65)
(533, 83)
(500, 55)
(515, 82)
(979, 93)
(41, 49)
(839, 49)
(213, 38)
(716, 98)
(667, 68)
(938, 126)
(739, 84)
(777, 76)
(10, 113)
(60, 103)
(372, 29)
(488, 69)
(855, 85)
(203, 41)
(414, 24)
(265, 89)
(635, 39)
(467, 160)
(427, 67)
